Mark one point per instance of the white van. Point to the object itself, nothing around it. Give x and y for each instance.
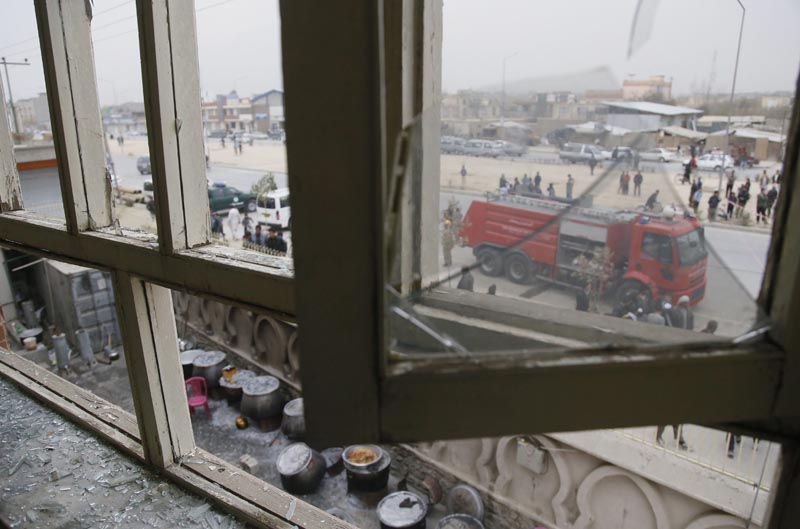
(273, 209)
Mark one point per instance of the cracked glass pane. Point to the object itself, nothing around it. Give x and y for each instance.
(566, 204)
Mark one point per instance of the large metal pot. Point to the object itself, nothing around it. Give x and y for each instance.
(233, 389)
(301, 468)
(294, 421)
(187, 361)
(402, 510)
(209, 365)
(459, 521)
(263, 400)
(365, 472)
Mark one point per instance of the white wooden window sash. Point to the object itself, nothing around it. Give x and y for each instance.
(340, 273)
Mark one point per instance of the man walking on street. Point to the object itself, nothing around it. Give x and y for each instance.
(772, 196)
(592, 164)
(713, 203)
(731, 204)
(463, 176)
(696, 198)
(570, 184)
(537, 181)
(761, 206)
(637, 184)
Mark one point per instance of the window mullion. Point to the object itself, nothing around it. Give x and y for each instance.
(10, 192)
(151, 354)
(337, 266)
(65, 37)
(170, 73)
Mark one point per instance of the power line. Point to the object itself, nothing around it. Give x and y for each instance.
(107, 25)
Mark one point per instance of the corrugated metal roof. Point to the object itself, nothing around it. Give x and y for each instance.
(684, 133)
(734, 119)
(745, 132)
(653, 108)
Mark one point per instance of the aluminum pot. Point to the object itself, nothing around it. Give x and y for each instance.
(294, 421)
(301, 468)
(187, 361)
(459, 521)
(367, 467)
(233, 389)
(209, 365)
(402, 510)
(263, 399)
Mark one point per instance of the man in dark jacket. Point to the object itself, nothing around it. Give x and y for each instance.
(274, 242)
(772, 196)
(713, 203)
(761, 206)
(467, 282)
(637, 184)
(651, 201)
(582, 298)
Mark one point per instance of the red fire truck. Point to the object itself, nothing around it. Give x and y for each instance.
(653, 254)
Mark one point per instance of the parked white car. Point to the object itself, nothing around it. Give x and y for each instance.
(483, 148)
(273, 209)
(712, 162)
(657, 155)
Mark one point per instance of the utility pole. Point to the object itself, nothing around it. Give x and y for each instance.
(730, 108)
(5, 64)
(503, 101)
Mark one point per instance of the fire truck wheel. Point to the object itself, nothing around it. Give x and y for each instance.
(629, 290)
(491, 264)
(518, 268)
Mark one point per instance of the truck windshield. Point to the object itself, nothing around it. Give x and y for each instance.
(691, 247)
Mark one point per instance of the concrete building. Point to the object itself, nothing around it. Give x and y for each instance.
(125, 119)
(654, 87)
(715, 123)
(647, 116)
(33, 113)
(228, 112)
(775, 101)
(267, 111)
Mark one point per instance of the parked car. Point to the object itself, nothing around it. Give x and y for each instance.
(217, 133)
(259, 135)
(277, 134)
(657, 155)
(143, 165)
(483, 148)
(624, 154)
(452, 145)
(579, 152)
(274, 210)
(511, 149)
(712, 162)
(222, 198)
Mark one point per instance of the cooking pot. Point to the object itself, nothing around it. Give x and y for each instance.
(209, 365)
(365, 472)
(294, 422)
(402, 510)
(301, 468)
(187, 361)
(233, 389)
(263, 400)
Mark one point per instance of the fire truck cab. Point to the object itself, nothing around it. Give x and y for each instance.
(651, 255)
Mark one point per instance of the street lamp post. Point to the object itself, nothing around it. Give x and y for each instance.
(503, 100)
(5, 64)
(730, 106)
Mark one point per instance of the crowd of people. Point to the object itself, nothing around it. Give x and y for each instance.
(271, 240)
(532, 187)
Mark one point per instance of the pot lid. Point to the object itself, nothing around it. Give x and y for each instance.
(188, 356)
(294, 408)
(463, 499)
(402, 509)
(209, 358)
(262, 385)
(239, 379)
(293, 459)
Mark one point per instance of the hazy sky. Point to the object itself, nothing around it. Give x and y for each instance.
(239, 43)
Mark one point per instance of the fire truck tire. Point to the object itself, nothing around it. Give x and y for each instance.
(491, 264)
(629, 289)
(518, 268)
